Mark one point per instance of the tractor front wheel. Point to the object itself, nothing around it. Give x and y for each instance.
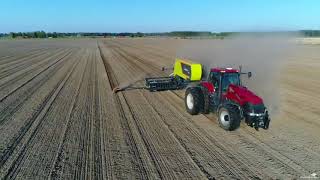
(229, 117)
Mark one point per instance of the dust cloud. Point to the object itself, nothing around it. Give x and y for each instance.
(263, 56)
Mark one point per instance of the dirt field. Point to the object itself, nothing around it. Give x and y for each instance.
(60, 119)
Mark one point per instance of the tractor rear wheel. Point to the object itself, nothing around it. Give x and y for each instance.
(206, 99)
(229, 117)
(193, 100)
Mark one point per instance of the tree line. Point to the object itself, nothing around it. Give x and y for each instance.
(311, 33)
(42, 34)
(182, 34)
(37, 34)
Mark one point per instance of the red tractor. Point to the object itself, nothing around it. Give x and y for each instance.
(222, 92)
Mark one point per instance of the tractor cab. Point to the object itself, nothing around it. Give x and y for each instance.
(221, 78)
(217, 84)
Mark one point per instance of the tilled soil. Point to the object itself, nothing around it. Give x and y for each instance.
(59, 118)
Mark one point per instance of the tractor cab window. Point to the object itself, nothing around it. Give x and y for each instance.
(214, 79)
(230, 78)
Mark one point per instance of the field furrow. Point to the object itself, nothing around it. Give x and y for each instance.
(141, 159)
(39, 151)
(60, 119)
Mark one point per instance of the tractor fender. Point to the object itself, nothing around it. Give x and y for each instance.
(193, 85)
(207, 85)
(198, 85)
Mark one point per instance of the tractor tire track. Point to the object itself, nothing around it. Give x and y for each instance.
(77, 142)
(38, 122)
(229, 164)
(244, 173)
(6, 89)
(161, 163)
(133, 137)
(278, 161)
(10, 164)
(13, 101)
(4, 63)
(34, 62)
(278, 164)
(59, 118)
(9, 70)
(61, 155)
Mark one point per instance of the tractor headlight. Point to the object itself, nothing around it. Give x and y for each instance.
(254, 114)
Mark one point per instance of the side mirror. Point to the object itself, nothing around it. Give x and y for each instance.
(249, 74)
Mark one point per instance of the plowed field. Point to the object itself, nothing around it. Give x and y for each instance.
(59, 118)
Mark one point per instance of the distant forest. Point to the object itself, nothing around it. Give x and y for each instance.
(181, 34)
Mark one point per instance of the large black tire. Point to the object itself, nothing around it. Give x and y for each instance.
(229, 117)
(193, 100)
(206, 101)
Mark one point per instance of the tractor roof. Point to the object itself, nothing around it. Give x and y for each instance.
(224, 70)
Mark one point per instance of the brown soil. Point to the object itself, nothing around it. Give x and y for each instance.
(60, 119)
